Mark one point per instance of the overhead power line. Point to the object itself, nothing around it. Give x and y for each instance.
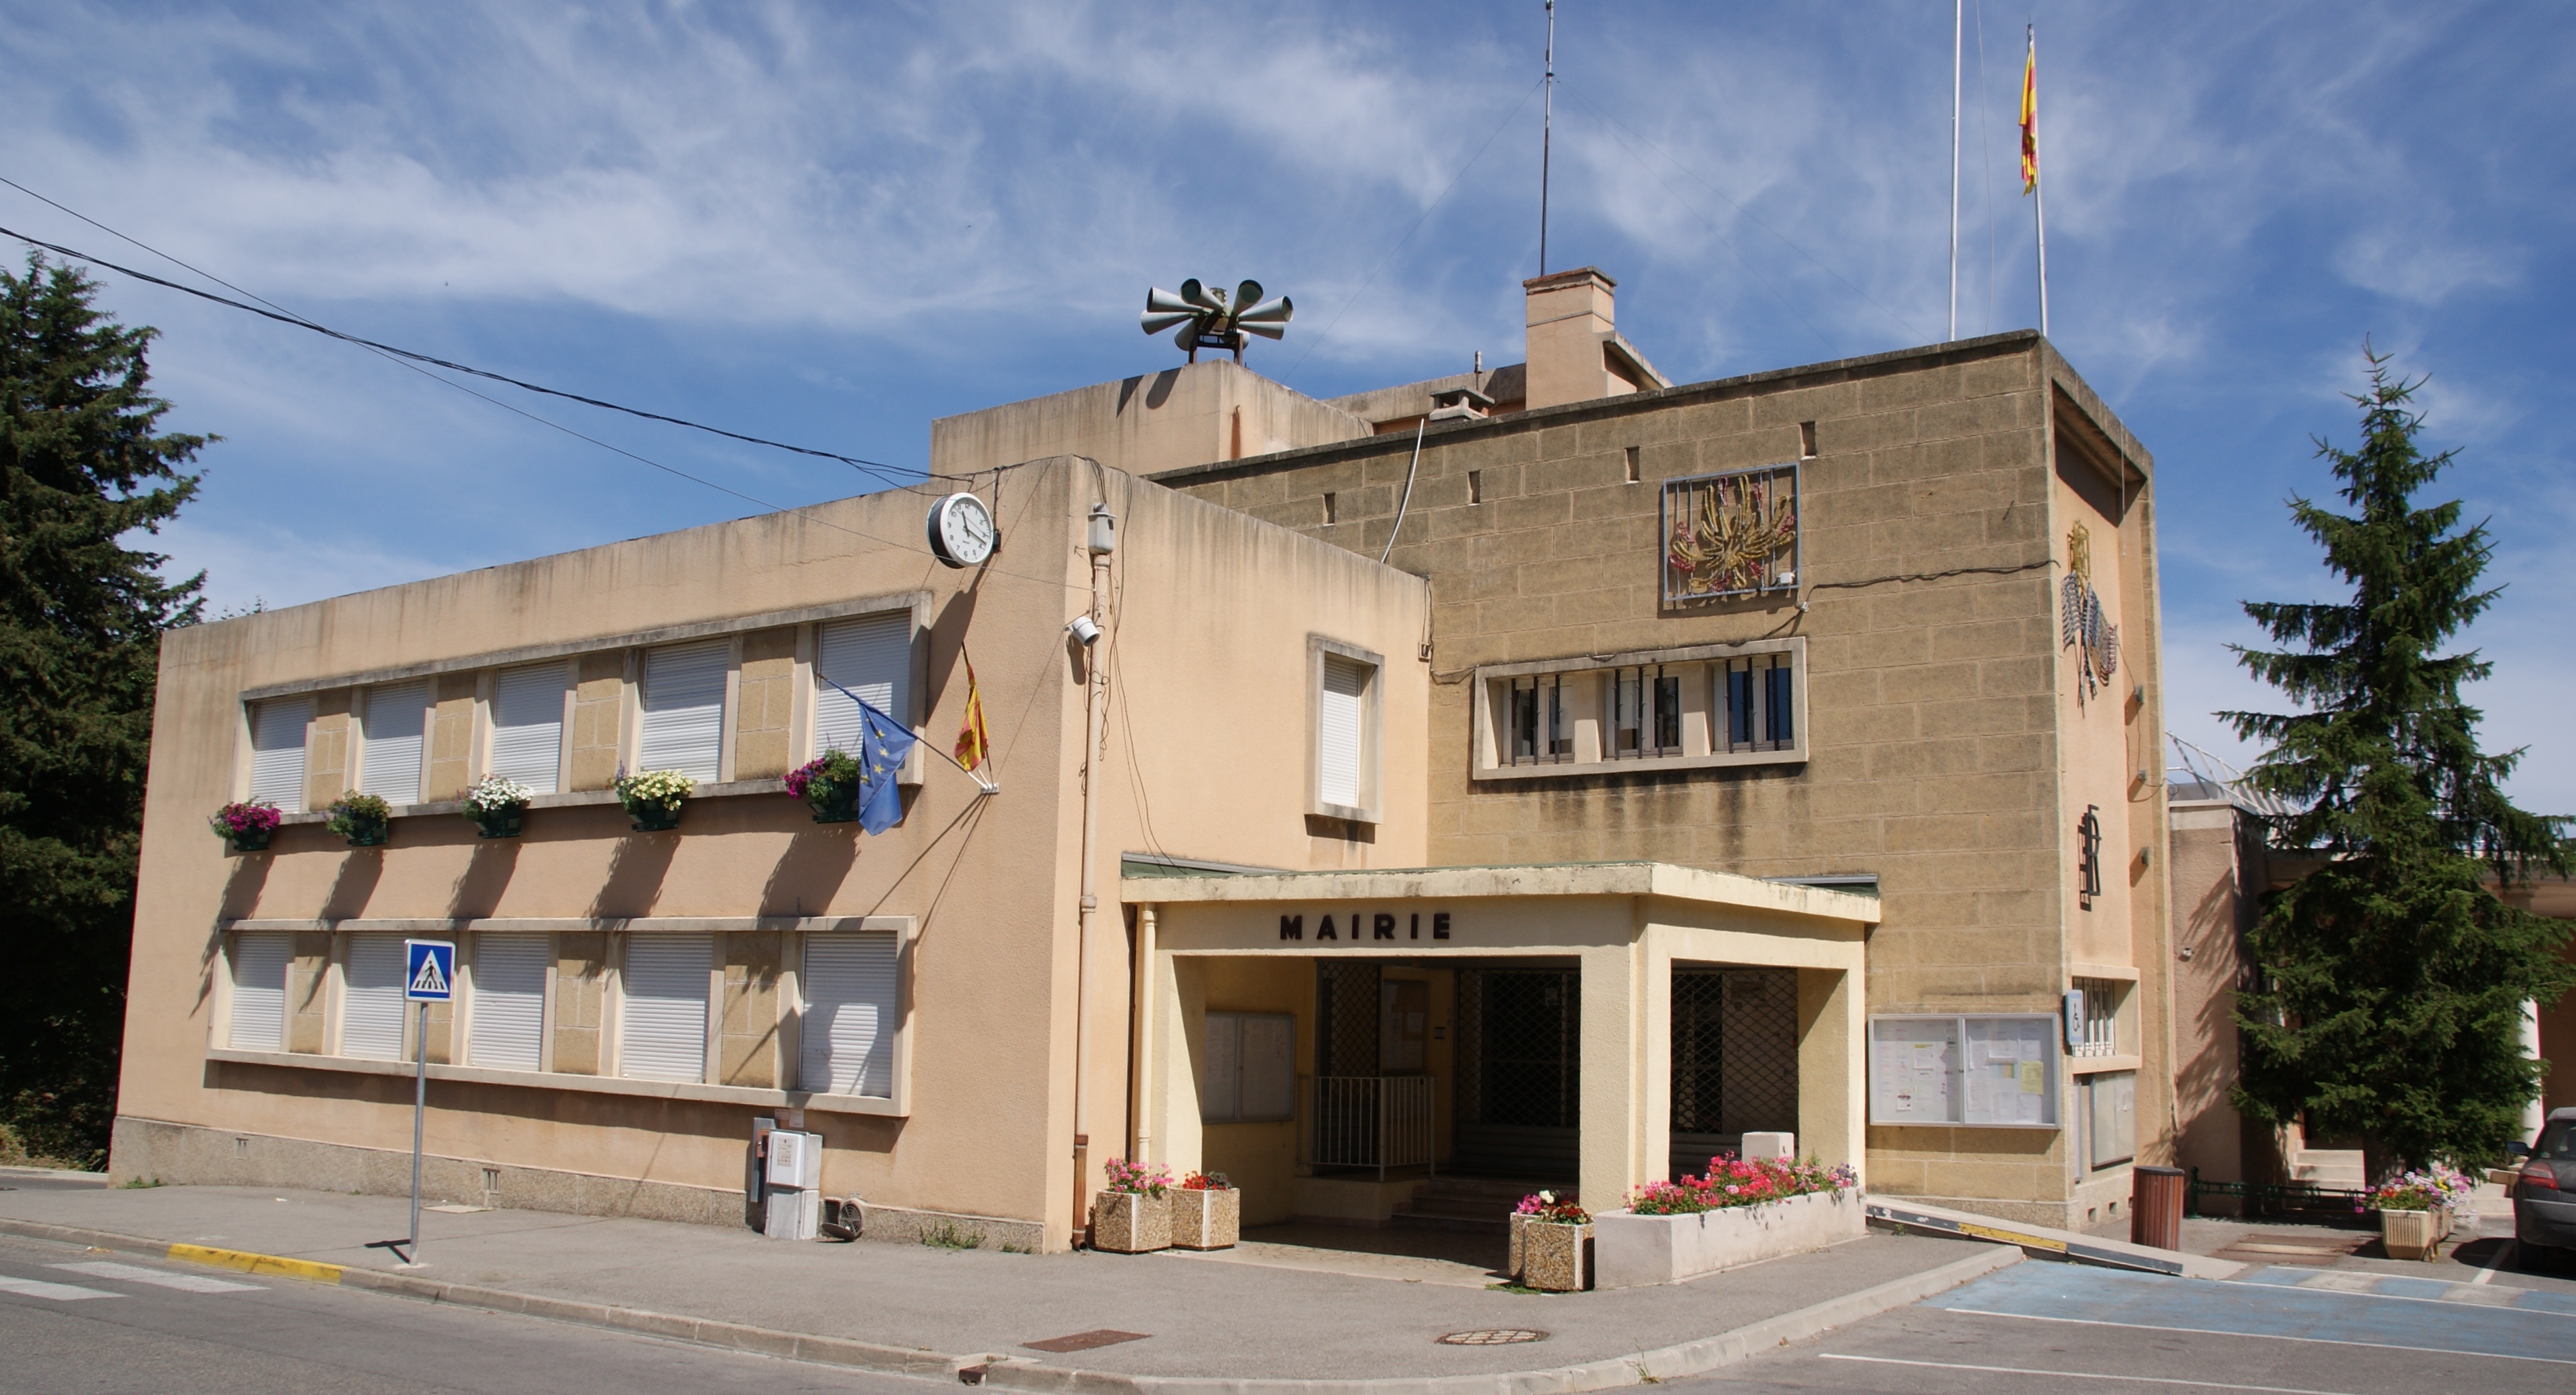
(878, 467)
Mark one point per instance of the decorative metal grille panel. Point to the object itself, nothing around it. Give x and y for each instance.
(1730, 534)
(1525, 1061)
(1735, 1050)
(1346, 1006)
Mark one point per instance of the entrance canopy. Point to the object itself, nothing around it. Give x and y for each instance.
(1238, 946)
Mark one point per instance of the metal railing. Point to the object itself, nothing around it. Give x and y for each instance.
(1371, 1121)
(2259, 1199)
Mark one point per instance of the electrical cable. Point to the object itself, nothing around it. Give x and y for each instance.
(892, 473)
(1320, 335)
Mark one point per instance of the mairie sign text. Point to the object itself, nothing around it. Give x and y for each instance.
(1362, 925)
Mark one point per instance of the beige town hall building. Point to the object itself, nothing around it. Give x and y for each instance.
(1543, 776)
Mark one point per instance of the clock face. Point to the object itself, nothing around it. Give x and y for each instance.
(961, 530)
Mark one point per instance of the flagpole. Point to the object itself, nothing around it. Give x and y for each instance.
(1546, 136)
(1958, 56)
(987, 786)
(2038, 185)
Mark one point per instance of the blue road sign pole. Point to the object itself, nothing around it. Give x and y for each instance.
(419, 1108)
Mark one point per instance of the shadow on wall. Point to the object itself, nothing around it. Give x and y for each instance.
(635, 871)
(243, 886)
(486, 876)
(812, 869)
(360, 870)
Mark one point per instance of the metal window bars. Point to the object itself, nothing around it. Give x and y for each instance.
(1730, 534)
(1646, 712)
(1757, 704)
(2100, 1030)
(1541, 720)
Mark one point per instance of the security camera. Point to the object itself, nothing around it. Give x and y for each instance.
(1084, 630)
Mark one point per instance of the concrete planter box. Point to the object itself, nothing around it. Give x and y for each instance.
(1208, 1219)
(1555, 1257)
(1638, 1250)
(2412, 1234)
(1131, 1223)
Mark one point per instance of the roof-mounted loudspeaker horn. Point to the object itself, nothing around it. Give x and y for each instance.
(1201, 319)
(1164, 310)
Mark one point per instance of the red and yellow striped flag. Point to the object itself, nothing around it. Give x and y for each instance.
(2030, 117)
(973, 743)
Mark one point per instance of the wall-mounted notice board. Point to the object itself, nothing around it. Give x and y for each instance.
(1983, 1070)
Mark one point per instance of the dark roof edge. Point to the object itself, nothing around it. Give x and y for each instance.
(1808, 375)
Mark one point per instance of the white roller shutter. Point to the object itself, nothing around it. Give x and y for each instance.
(850, 1006)
(371, 998)
(527, 726)
(390, 766)
(664, 1036)
(259, 990)
(872, 657)
(684, 689)
(277, 751)
(1338, 735)
(509, 1001)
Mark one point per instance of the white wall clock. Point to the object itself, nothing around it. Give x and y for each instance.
(961, 530)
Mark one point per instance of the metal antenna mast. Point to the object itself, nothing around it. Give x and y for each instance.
(1546, 137)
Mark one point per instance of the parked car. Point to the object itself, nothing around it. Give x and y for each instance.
(2544, 1200)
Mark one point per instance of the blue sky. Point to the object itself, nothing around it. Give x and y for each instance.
(832, 223)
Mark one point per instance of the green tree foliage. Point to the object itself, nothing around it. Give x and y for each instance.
(2389, 982)
(81, 615)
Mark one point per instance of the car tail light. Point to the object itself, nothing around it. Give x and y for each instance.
(2538, 1174)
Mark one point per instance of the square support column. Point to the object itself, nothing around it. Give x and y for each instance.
(1832, 1103)
(1626, 1083)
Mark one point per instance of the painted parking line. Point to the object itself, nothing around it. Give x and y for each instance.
(2107, 1298)
(135, 1273)
(2368, 1284)
(60, 1293)
(2079, 1375)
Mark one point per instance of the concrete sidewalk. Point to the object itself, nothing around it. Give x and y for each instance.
(1269, 1319)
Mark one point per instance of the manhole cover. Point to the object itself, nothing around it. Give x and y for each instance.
(1493, 1337)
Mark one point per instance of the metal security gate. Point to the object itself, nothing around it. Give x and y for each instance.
(1735, 1060)
(1518, 1099)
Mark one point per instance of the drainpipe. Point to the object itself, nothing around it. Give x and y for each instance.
(1103, 541)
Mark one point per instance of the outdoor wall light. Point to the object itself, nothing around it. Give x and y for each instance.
(1084, 630)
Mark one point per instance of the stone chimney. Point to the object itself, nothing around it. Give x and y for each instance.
(1575, 352)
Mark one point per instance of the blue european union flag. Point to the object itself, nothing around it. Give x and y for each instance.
(882, 748)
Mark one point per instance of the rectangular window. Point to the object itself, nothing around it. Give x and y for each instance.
(259, 965)
(1542, 720)
(2100, 1029)
(851, 1011)
(277, 751)
(1251, 1068)
(683, 701)
(527, 726)
(1646, 713)
(869, 659)
(1759, 703)
(371, 998)
(509, 1005)
(1341, 730)
(664, 1007)
(389, 764)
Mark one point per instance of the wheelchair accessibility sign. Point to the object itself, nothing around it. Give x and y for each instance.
(429, 970)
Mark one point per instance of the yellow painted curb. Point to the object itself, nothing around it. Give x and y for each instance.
(249, 1263)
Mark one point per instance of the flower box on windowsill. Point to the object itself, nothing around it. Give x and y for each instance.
(501, 823)
(1131, 1223)
(1206, 1218)
(249, 840)
(833, 803)
(1634, 1250)
(654, 818)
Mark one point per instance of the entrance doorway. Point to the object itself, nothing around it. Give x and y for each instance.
(1518, 1097)
(1735, 1060)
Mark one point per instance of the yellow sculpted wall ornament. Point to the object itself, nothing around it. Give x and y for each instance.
(1726, 540)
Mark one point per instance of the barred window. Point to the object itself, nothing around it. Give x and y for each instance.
(2100, 1028)
(1646, 712)
(1759, 699)
(1705, 705)
(1542, 720)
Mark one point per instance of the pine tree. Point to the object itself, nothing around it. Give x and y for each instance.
(2388, 988)
(81, 616)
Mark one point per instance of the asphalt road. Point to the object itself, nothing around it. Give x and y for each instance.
(2055, 1328)
(119, 1324)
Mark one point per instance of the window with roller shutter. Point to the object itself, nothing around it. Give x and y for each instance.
(1345, 741)
(663, 1007)
(371, 998)
(527, 726)
(389, 759)
(852, 1009)
(277, 751)
(259, 965)
(683, 702)
(509, 1001)
(868, 659)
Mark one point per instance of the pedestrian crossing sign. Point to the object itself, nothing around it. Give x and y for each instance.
(429, 970)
